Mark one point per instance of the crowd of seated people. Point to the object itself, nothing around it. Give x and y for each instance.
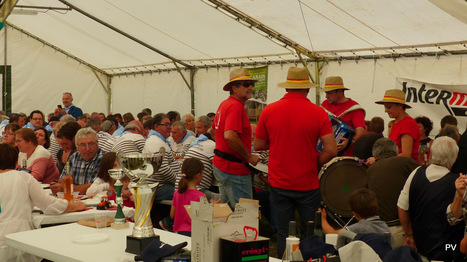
(89, 143)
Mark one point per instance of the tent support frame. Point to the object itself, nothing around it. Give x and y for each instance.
(107, 90)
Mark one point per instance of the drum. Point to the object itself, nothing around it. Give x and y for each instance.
(337, 179)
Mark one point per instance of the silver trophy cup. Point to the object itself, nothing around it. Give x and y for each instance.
(138, 166)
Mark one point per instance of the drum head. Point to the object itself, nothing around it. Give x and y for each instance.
(338, 179)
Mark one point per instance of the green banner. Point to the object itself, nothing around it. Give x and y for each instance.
(260, 91)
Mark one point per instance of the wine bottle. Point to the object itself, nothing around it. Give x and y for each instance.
(68, 181)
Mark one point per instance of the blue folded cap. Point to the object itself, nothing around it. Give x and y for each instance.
(157, 250)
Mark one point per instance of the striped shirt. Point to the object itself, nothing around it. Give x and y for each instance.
(54, 148)
(107, 144)
(101, 137)
(83, 172)
(129, 143)
(170, 167)
(204, 151)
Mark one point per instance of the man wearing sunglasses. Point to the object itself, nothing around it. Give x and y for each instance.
(233, 140)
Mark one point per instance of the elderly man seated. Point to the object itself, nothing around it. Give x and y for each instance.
(386, 177)
(131, 141)
(180, 139)
(84, 164)
(423, 203)
(202, 125)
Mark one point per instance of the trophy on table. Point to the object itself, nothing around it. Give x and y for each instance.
(139, 166)
(120, 221)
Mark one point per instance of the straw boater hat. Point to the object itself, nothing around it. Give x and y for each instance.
(394, 96)
(238, 74)
(297, 78)
(333, 83)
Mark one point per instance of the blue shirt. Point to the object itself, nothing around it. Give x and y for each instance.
(83, 172)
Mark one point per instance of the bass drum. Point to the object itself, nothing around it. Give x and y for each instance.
(337, 179)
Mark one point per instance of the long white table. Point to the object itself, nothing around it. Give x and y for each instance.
(56, 243)
(39, 220)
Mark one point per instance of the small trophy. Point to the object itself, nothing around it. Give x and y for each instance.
(120, 221)
(138, 166)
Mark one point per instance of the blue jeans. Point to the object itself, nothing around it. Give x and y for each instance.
(233, 187)
(285, 203)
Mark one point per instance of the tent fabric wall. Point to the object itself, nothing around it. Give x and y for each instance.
(40, 76)
(161, 92)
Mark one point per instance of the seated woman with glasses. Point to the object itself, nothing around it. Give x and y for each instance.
(34, 157)
(9, 135)
(19, 192)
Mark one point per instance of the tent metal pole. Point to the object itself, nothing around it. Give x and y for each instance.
(4, 97)
(189, 85)
(125, 34)
(192, 89)
(317, 94)
(109, 96)
(107, 90)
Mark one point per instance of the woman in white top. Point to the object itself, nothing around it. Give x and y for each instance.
(19, 191)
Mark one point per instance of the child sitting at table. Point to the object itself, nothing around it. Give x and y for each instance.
(364, 206)
(192, 172)
(104, 184)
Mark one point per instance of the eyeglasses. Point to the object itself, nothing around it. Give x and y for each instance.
(36, 119)
(8, 134)
(166, 125)
(247, 84)
(83, 145)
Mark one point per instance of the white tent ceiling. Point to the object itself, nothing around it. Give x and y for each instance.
(149, 35)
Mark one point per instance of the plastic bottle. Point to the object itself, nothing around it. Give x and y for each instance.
(292, 242)
(68, 181)
(318, 227)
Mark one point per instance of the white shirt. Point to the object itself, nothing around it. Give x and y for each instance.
(18, 191)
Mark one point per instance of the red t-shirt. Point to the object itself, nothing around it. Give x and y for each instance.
(406, 126)
(354, 119)
(231, 115)
(292, 127)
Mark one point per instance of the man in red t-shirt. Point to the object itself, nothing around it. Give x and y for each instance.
(233, 140)
(293, 156)
(338, 104)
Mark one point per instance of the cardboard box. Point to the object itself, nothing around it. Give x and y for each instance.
(254, 250)
(209, 223)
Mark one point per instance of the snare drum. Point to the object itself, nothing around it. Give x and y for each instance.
(337, 179)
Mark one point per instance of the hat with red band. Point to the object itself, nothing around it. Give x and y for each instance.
(239, 74)
(333, 83)
(394, 96)
(297, 78)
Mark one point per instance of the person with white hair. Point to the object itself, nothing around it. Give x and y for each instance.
(423, 203)
(180, 139)
(84, 164)
(189, 121)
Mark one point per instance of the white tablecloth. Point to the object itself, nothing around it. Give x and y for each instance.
(56, 243)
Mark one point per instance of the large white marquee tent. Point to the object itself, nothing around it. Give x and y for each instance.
(122, 56)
